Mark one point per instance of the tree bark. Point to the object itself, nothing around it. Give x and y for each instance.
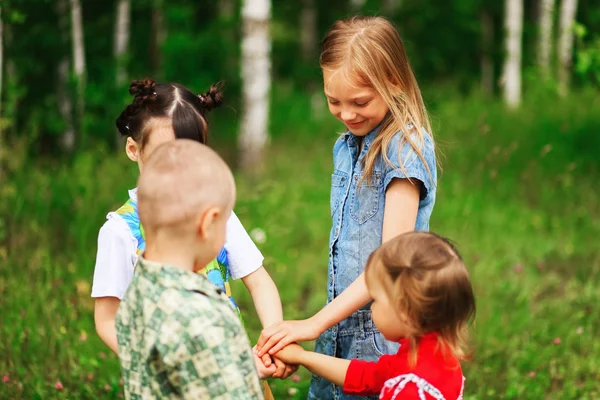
(513, 47)
(157, 38)
(308, 31)
(487, 43)
(121, 40)
(256, 81)
(390, 7)
(568, 8)
(65, 103)
(544, 47)
(78, 65)
(1, 109)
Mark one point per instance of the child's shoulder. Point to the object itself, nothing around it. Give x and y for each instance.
(403, 144)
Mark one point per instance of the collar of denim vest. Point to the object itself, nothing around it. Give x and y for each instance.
(352, 139)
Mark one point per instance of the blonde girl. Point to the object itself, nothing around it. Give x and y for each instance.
(383, 184)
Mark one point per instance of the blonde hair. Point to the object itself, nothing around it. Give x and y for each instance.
(424, 276)
(369, 52)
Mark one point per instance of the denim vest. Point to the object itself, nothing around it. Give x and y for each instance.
(357, 215)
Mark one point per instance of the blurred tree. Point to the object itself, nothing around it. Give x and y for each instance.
(79, 65)
(65, 103)
(157, 38)
(487, 45)
(256, 78)
(568, 9)
(544, 47)
(513, 18)
(120, 45)
(389, 8)
(1, 105)
(121, 40)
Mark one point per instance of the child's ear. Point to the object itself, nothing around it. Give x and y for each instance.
(132, 149)
(206, 221)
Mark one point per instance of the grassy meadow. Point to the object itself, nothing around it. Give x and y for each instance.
(518, 193)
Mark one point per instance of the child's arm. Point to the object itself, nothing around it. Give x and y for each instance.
(265, 296)
(105, 310)
(268, 307)
(400, 216)
(331, 368)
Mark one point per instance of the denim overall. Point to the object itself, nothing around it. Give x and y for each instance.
(357, 217)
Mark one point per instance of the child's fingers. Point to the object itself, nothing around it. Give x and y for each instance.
(282, 341)
(280, 369)
(266, 359)
(265, 335)
(273, 340)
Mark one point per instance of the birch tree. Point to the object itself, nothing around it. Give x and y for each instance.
(1, 70)
(78, 64)
(390, 7)
(513, 48)
(65, 104)
(256, 80)
(487, 63)
(544, 45)
(568, 9)
(121, 40)
(157, 38)
(357, 5)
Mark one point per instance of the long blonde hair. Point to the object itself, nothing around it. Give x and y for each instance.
(370, 52)
(426, 280)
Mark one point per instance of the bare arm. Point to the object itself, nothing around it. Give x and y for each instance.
(105, 310)
(265, 296)
(400, 216)
(331, 368)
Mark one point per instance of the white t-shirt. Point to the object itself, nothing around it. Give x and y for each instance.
(116, 257)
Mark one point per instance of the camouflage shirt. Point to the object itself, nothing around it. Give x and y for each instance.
(180, 338)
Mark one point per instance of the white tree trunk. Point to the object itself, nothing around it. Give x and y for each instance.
(1, 70)
(390, 7)
(487, 63)
(78, 62)
(513, 48)
(121, 39)
(568, 9)
(1, 65)
(544, 47)
(65, 104)
(356, 5)
(308, 30)
(256, 80)
(157, 38)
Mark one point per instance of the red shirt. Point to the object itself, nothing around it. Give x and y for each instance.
(437, 374)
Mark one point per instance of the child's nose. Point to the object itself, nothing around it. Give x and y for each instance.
(348, 115)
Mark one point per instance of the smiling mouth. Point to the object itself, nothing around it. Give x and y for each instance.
(354, 123)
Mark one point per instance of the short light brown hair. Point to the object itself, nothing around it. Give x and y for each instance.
(180, 180)
(424, 276)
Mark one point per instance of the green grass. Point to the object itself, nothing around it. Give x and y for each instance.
(518, 194)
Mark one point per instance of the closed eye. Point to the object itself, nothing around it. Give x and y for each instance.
(334, 102)
(362, 104)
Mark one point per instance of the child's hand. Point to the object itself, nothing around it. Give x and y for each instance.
(265, 369)
(276, 337)
(283, 370)
(291, 354)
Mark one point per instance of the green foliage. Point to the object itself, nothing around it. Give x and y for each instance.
(518, 195)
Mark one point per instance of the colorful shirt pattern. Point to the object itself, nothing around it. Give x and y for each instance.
(179, 338)
(217, 270)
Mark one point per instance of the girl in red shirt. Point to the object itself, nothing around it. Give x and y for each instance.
(423, 299)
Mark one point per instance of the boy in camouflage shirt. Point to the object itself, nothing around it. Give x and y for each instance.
(178, 335)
